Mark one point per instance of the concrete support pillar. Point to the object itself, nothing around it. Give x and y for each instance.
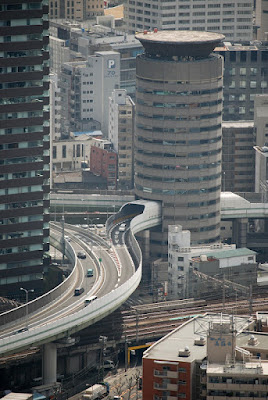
(49, 363)
(144, 242)
(266, 225)
(240, 227)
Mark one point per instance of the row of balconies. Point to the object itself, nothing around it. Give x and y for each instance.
(156, 397)
(235, 397)
(166, 374)
(166, 386)
(236, 386)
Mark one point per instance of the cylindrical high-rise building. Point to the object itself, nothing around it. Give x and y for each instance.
(178, 138)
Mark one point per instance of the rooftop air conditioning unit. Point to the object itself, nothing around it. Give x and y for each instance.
(201, 341)
(184, 352)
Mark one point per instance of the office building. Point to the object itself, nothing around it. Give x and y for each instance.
(78, 10)
(85, 87)
(121, 134)
(238, 158)
(245, 76)
(178, 138)
(261, 148)
(59, 53)
(71, 154)
(70, 39)
(261, 119)
(234, 19)
(262, 19)
(24, 146)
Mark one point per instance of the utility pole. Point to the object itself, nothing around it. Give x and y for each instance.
(102, 340)
(126, 350)
(137, 326)
(27, 301)
(250, 300)
(223, 293)
(62, 239)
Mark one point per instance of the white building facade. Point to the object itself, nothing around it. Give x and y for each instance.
(181, 253)
(121, 131)
(105, 67)
(85, 90)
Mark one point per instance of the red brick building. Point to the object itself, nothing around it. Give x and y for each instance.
(103, 162)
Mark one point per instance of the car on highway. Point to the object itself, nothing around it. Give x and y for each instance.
(89, 300)
(82, 255)
(122, 227)
(116, 233)
(108, 364)
(78, 291)
(21, 330)
(89, 272)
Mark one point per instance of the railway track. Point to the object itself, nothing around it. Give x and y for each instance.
(142, 323)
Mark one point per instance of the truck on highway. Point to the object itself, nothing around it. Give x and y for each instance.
(96, 392)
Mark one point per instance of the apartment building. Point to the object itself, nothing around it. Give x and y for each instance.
(234, 19)
(121, 134)
(176, 367)
(103, 161)
(24, 146)
(55, 108)
(234, 371)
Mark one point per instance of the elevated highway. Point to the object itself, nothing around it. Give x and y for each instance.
(233, 206)
(49, 317)
(121, 254)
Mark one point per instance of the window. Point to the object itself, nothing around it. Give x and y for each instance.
(64, 151)
(243, 56)
(180, 258)
(78, 150)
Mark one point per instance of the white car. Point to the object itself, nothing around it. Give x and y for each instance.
(122, 227)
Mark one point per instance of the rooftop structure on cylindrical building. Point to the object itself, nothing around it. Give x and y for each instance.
(179, 43)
